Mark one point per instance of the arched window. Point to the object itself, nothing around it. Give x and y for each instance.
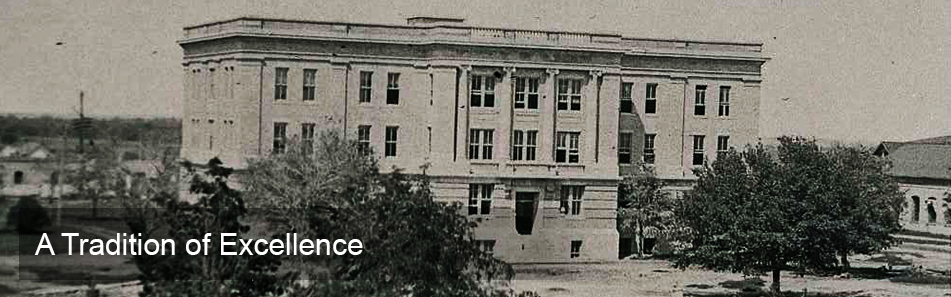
(915, 208)
(18, 177)
(932, 213)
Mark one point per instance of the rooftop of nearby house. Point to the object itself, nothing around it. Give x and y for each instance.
(923, 158)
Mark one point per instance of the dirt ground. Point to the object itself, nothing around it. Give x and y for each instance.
(658, 278)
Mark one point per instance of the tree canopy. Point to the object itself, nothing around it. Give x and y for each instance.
(755, 211)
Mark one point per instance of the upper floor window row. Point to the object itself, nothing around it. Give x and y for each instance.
(308, 83)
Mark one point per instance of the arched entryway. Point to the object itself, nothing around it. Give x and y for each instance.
(915, 208)
(932, 212)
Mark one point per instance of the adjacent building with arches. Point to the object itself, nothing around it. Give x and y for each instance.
(923, 170)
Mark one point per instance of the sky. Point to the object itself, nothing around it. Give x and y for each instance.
(862, 71)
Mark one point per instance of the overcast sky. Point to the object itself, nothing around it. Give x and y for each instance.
(848, 70)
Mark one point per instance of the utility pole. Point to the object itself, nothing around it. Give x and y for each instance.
(82, 122)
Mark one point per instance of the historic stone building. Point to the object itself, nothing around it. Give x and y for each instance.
(922, 169)
(531, 129)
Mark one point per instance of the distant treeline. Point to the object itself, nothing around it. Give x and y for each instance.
(16, 128)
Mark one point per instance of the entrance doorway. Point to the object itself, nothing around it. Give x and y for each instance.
(525, 204)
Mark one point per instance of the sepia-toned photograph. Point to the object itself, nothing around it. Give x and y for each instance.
(475, 148)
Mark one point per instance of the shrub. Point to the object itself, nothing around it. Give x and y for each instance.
(28, 215)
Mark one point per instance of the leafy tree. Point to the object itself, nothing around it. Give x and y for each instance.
(28, 216)
(219, 209)
(643, 203)
(413, 245)
(754, 213)
(739, 216)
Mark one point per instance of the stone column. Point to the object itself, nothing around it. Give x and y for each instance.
(504, 133)
(462, 115)
(590, 103)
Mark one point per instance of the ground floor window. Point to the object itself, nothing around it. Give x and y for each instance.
(487, 246)
(575, 248)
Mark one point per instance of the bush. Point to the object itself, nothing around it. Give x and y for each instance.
(28, 215)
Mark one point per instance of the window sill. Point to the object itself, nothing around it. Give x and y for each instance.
(483, 162)
(484, 110)
(527, 112)
(569, 165)
(576, 113)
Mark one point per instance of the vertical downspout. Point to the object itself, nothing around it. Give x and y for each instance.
(261, 108)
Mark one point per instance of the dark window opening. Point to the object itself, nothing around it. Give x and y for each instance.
(18, 177)
(525, 212)
(575, 248)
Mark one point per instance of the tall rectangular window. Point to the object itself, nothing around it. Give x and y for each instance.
(699, 105)
(566, 148)
(526, 93)
(280, 137)
(366, 86)
(280, 84)
(310, 84)
(483, 91)
(531, 143)
(518, 145)
(389, 148)
(363, 138)
(724, 110)
(393, 88)
(480, 143)
(575, 249)
(524, 144)
(627, 103)
(307, 136)
(571, 197)
(650, 99)
(698, 150)
(624, 148)
(649, 148)
(723, 144)
(569, 94)
(480, 199)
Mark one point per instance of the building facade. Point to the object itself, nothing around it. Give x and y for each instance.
(922, 169)
(531, 129)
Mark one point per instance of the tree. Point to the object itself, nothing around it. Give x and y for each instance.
(413, 245)
(219, 209)
(754, 213)
(643, 203)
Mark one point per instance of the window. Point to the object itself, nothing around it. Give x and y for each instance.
(280, 137)
(18, 177)
(698, 106)
(575, 248)
(724, 110)
(566, 150)
(526, 93)
(366, 86)
(307, 137)
(483, 91)
(486, 246)
(392, 88)
(310, 84)
(723, 144)
(650, 99)
(363, 138)
(480, 140)
(569, 94)
(649, 148)
(280, 84)
(698, 150)
(524, 144)
(571, 197)
(627, 104)
(389, 149)
(624, 148)
(480, 199)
